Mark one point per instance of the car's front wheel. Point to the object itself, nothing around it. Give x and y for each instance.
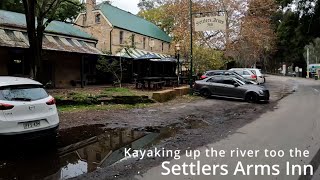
(252, 97)
(205, 93)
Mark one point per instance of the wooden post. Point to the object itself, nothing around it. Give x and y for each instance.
(82, 71)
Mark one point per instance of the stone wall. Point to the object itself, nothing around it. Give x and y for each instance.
(67, 67)
(100, 31)
(116, 46)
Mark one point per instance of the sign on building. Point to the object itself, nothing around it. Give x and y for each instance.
(213, 23)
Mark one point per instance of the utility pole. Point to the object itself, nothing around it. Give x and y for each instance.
(308, 62)
(191, 46)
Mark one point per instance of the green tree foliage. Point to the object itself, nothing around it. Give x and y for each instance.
(56, 9)
(295, 29)
(112, 66)
(12, 5)
(146, 4)
(207, 58)
(159, 17)
(314, 51)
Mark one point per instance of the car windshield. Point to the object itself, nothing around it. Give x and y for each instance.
(22, 93)
(240, 82)
(236, 73)
(238, 76)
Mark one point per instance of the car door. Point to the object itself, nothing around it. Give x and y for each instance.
(229, 89)
(214, 85)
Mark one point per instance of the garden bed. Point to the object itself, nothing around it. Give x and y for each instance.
(106, 96)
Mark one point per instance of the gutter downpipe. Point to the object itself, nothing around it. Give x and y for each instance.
(111, 40)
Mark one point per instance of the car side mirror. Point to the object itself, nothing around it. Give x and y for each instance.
(236, 84)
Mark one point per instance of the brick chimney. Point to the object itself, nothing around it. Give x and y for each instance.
(90, 5)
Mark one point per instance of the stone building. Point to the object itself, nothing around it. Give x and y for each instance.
(116, 29)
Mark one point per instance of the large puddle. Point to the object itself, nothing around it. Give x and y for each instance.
(72, 157)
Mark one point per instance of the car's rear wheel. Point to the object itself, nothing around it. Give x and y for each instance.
(252, 97)
(205, 93)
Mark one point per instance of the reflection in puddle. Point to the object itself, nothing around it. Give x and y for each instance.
(75, 159)
(95, 151)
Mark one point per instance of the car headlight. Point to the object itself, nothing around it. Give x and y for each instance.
(261, 92)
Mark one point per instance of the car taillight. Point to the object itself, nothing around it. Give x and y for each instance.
(253, 76)
(52, 101)
(5, 106)
(203, 77)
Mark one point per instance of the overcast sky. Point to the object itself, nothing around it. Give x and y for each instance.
(128, 5)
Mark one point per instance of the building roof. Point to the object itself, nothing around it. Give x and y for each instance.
(13, 19)
(125, 20)
(19, 39)
(9, 81)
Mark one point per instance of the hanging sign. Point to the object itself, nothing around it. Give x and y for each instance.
(213, 23)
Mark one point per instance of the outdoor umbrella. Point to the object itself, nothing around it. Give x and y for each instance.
(167, 59)
(148, 56)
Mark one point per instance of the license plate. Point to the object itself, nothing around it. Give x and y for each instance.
(33, 124)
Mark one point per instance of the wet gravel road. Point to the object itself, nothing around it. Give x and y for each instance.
(192, 125)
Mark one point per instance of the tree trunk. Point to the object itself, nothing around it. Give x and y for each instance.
(35, 36)
(38, 50)
(29, 6)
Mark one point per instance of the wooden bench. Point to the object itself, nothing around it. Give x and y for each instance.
(140, 85)
(75, 82)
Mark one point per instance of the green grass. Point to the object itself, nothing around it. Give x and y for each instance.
(100, 107)
(118, 92)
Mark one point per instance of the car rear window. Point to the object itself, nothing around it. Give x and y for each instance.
(22, 93)
(254, 72)
(239, 72)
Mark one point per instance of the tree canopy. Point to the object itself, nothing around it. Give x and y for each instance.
(272, 30)
(66, 10)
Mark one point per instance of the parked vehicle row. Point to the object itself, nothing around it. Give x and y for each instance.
(239, 83)
(227, 73)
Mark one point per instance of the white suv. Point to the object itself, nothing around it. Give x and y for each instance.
(246, 73)
(25, 107)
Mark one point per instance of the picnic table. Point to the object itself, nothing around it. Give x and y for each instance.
(184, 80)
(170, 80)
(156, 81)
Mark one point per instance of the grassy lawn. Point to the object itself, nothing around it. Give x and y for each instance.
(118, 92)
(100, 107)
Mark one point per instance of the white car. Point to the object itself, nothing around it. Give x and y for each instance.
(246, 73)
(25, 107)
(260, 77)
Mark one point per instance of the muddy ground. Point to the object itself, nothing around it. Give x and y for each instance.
(189, 124)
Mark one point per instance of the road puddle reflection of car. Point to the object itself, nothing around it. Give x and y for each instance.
(32, 161)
